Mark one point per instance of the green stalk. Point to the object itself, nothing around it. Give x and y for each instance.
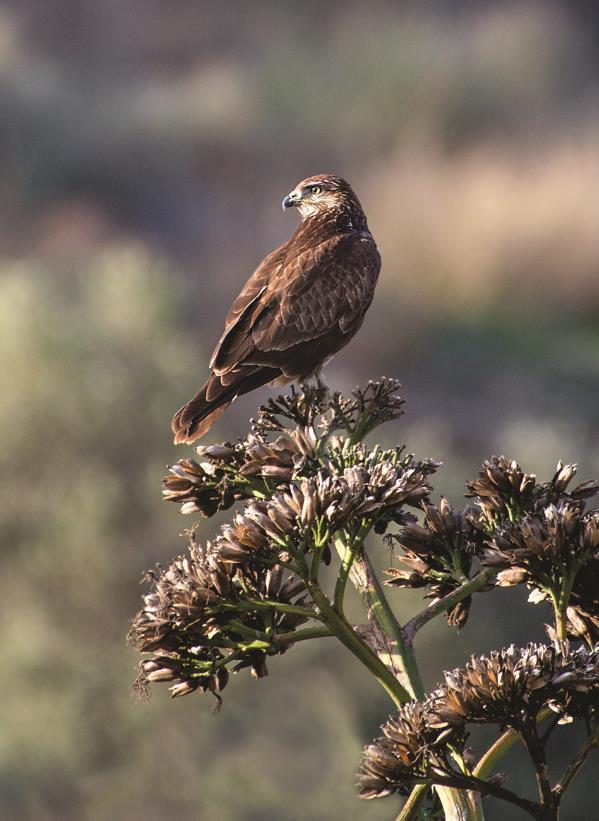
(458, 805)
(561, 620)
(280, 607)
(248, 632)
(401, 655)
(446, 603)
(413, 803)
(576, 764)
(302, 635)
(347, 555)
(348, 637)
(398, 694)
(559, 615)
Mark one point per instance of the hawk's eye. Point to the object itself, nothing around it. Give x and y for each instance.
(315, 189)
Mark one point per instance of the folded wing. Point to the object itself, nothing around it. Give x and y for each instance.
(298, 309)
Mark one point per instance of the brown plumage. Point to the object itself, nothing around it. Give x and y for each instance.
(302, 304)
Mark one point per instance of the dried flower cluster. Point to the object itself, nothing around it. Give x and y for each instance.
(508, 688)
(542, 547)
(357, 415)
(407, 752)
(205, 615)
(439, 555)
(301, 484)
(528, 532)
(303, 409)
(259, 464)
(306, 483)
(511, 687)
(540, 535)
(366, 409)
(503, 492)
(207, 486)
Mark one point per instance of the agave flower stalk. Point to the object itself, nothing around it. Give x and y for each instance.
(306, 490)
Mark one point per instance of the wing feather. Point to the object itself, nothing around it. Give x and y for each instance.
(315, 295)
(240, 314)
(323, 290)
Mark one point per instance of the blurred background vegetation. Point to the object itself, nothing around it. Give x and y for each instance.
(144, 151)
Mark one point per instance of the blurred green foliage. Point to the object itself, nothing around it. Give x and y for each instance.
(144, 151)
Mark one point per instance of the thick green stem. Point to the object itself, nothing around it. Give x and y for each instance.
(559, 614)
(561, 619)
(360, 649)
(347, 555)
(458, 805)
(495, 753)
(400, 656)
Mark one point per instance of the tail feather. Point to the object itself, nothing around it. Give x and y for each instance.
(196, 418)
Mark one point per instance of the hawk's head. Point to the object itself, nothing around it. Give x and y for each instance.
(320, 194)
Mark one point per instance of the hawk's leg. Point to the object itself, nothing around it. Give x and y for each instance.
(322, 383)
(319, 384)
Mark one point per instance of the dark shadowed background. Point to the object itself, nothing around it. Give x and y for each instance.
(145, 147)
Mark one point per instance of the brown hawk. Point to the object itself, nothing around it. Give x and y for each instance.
(302, 304)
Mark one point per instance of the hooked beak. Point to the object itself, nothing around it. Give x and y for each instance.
(291, 200)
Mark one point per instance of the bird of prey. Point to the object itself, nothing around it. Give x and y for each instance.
(302, 304)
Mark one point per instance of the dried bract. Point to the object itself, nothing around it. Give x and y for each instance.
(502, 489)
(583, 611)
(282, 460)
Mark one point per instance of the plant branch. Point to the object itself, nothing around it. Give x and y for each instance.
(559, 615)
(315, 564)
(302, 635)
(446, 603)
(414, 801)
(390, 641)
(576, 764)
(280, 607)
(499, 748)
(248, 632)
(536, 750)
(226, 660)
(470, 783)
(457, 802)
(394, 689)
(401, 657)
(489, 788)
(347, 554)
